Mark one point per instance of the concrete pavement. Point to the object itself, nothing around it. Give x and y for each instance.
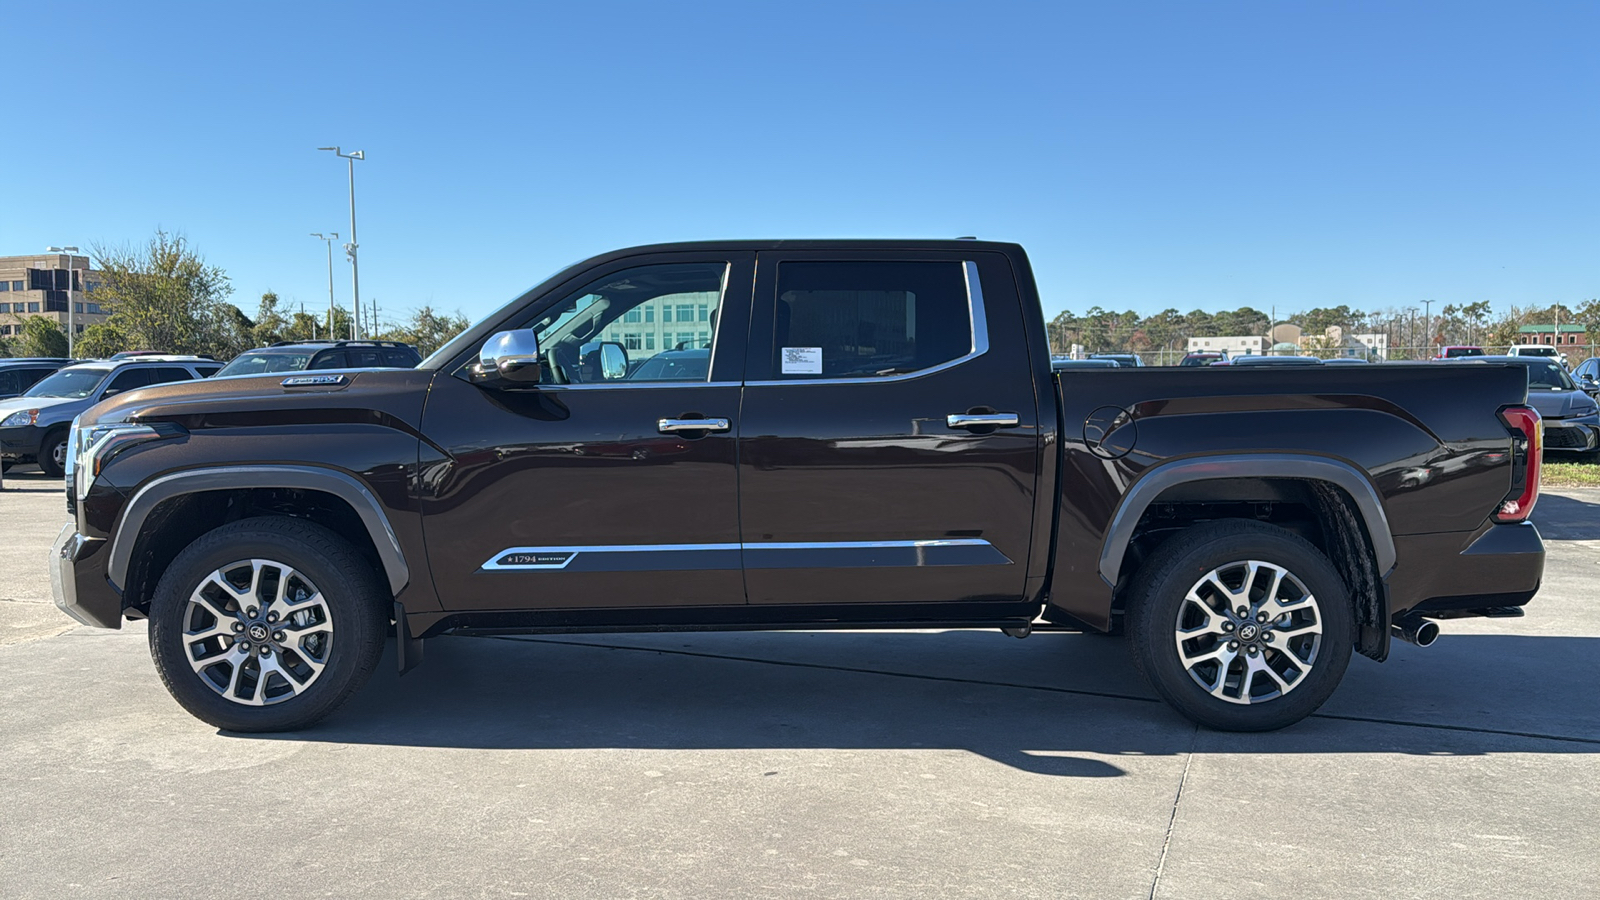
(901, 764)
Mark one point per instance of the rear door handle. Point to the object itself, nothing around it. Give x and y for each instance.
(982, 420)
(671, 426)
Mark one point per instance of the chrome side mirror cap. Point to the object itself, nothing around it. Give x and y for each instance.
(511, 358)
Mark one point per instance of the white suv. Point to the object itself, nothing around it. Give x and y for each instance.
(1544, 350)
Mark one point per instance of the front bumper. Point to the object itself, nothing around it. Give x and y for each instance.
(1460, 572)
(78, 579)
(20, 440)
(1576, 434)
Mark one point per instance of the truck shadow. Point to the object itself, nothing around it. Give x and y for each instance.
(1058, 704)
(1563, 518)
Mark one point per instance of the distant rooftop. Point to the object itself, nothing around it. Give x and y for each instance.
(1550, 329)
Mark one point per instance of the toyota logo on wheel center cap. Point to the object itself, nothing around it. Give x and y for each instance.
(258, 632)
(1247, 632)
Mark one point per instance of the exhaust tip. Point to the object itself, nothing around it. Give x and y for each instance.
(1418, 631)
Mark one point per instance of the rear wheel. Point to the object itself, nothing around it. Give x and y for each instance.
(267, 624)
(1240, 625)
(53, 453)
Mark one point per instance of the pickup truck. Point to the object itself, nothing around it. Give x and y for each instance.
(797, 435)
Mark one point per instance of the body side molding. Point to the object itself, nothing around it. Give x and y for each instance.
(310, 478)
(1246, 465)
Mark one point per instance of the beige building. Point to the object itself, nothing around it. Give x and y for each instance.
(33, 286)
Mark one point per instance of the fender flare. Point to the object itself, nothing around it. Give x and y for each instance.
(311, 478)
(1299, 467)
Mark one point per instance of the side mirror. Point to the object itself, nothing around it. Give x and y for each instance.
(603, 361)
(510, 358)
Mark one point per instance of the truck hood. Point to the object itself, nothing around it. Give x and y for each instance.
(265, 400)
(1559, 404)
(15, 404)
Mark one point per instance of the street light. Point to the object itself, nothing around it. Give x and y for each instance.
(69, 251)
(350, 247)
(329, 239)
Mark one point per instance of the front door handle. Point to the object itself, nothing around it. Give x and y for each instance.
(982, 420)
(671, 426)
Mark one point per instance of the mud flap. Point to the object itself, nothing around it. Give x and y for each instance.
(407, 649)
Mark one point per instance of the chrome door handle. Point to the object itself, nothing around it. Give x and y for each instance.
(986, 420)
(669, 426)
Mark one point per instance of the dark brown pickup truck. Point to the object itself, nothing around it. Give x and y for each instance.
(805, 435)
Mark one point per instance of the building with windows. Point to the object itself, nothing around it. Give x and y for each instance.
(1233, 345)
(674, 322)
(33, 286)
(1554, 335)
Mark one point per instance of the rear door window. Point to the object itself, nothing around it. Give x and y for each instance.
(332, 359)
(363, 358)
(400, 359)
(8, 383)
(866, 319)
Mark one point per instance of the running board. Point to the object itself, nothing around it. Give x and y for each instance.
(902, 625)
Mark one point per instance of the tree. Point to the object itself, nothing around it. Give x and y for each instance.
(163, 296)
(41, 336)
(269, 324)
(426, 330)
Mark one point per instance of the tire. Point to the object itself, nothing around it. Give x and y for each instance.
(52, 457)
(1237, 673)
(296, 659)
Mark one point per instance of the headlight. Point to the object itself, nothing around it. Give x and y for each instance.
(89, 449)
(21, 417)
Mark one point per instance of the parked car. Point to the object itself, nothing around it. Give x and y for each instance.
(1203, 358)
(1126, 360)
(905, 458)
(1587, 375)
(1459, 351)
(17, 374)
(34, 426)
(1571, 416)
(1542, 351)
(1063, 365)
(1346, 360)
(294, 356)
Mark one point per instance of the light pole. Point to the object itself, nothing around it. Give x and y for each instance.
(69, 251)
(1427, 321)
(328, 239)
(351, 246)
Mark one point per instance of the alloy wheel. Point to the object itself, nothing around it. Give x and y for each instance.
(1248, 632)
(257, 632)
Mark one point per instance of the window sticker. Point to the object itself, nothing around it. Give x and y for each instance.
(802, 360)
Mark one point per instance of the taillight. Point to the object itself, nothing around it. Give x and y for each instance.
(1527, 454)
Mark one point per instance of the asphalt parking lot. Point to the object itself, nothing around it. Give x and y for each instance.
(898, 764)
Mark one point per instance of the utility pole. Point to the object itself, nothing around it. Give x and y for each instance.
(328, 239)
(70, 323)
(1427, 321)
(351, 246)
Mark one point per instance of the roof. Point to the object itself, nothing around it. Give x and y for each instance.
(1551, 329)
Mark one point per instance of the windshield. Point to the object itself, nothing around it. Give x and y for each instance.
(73, 383)
(1537, 351)
(264, 363)
(1549, 377)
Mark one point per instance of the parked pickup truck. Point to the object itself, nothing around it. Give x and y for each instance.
(849, 435)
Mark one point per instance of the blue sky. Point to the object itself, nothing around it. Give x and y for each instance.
(1192, 155)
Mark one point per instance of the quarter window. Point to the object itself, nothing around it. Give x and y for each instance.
(864, 319)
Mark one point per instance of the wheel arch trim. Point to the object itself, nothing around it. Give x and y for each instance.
(1287, 466)
(312, 478)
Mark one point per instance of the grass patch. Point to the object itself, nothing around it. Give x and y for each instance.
(1567, 473)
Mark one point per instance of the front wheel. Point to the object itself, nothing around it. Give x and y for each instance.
(53, 454)
(1240, 625)
(267, 624)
